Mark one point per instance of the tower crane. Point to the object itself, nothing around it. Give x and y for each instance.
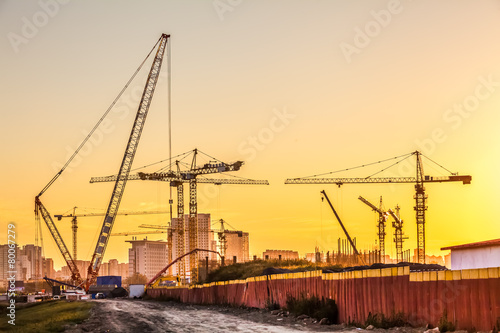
(360, 257)
(220, 233)
(42, 212)
(128, 233)
(399, 236)
(419, 181)
(74, 222)
(177, 179)
(382, 219)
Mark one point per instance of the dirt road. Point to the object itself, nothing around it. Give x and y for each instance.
(149, 316)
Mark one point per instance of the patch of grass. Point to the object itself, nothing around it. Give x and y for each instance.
(164, 298)
(49, 316)
(242, 271)
(445, 325)
(314, 308)
(270, 306)
(381, 321)
(497, 326)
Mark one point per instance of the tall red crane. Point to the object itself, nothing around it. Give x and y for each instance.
(382, 219)
(42, 212)
(126, 165)
(419, 181)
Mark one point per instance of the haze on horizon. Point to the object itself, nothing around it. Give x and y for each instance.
(292, 88)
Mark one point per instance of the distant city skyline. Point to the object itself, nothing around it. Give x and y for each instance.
(292, 88)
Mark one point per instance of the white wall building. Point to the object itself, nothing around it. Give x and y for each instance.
(147, 257)
(237, 246)
(205, 240)
(475, 255)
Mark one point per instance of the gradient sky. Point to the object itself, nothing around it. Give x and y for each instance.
(361, 81)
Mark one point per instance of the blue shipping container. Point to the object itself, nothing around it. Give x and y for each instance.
(109, 279)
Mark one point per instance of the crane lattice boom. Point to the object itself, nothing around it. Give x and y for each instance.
(177, 179)
(215, 181)
(128, 233)
(381, 180)
(382, 219)
(420, 196)
(75, 274)
(398, 234)
(126, 164)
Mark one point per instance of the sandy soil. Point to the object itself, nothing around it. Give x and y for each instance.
(123, 315)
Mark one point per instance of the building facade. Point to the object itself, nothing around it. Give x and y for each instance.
(237, 243)
(4, 261)
(475, 255)
(113, 267)
(147, 257)
(28, 262)
(280, 254)
(205, 240)
(48, 268)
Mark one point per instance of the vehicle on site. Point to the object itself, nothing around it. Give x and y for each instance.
(167, 281)
(100, 296)
(56, 297)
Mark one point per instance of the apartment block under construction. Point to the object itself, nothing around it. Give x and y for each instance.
(237, 246)
(205, 240)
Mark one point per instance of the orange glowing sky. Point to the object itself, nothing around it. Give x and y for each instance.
(360, 82)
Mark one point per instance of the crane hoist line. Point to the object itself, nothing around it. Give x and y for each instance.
(418, 181)
(125, 167)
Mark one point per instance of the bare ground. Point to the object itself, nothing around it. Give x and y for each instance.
(123, 315)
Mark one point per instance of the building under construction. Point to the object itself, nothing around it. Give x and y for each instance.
(237, 246)
(205, 240)
(147, 257)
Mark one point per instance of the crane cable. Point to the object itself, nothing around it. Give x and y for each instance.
(390, 166)
(439, 165)
(361, 166)
(97, 124)
(169, 67)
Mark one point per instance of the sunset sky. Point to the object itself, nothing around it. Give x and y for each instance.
(293, 88)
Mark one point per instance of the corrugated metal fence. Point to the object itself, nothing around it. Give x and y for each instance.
(470, 298)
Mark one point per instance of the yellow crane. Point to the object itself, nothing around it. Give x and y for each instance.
(128, 233)
(193, 176)
(360, 257)
(382, 219)
(41, 211)
(221, 233)
(74, 221)
(419, 181)
(399, 236)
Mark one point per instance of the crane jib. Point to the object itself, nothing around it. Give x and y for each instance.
(126, 164)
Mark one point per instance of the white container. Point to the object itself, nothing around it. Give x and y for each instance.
(136, 291)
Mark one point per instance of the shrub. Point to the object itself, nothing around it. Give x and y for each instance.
(381, 321)
(314, 308)
(445, 325)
